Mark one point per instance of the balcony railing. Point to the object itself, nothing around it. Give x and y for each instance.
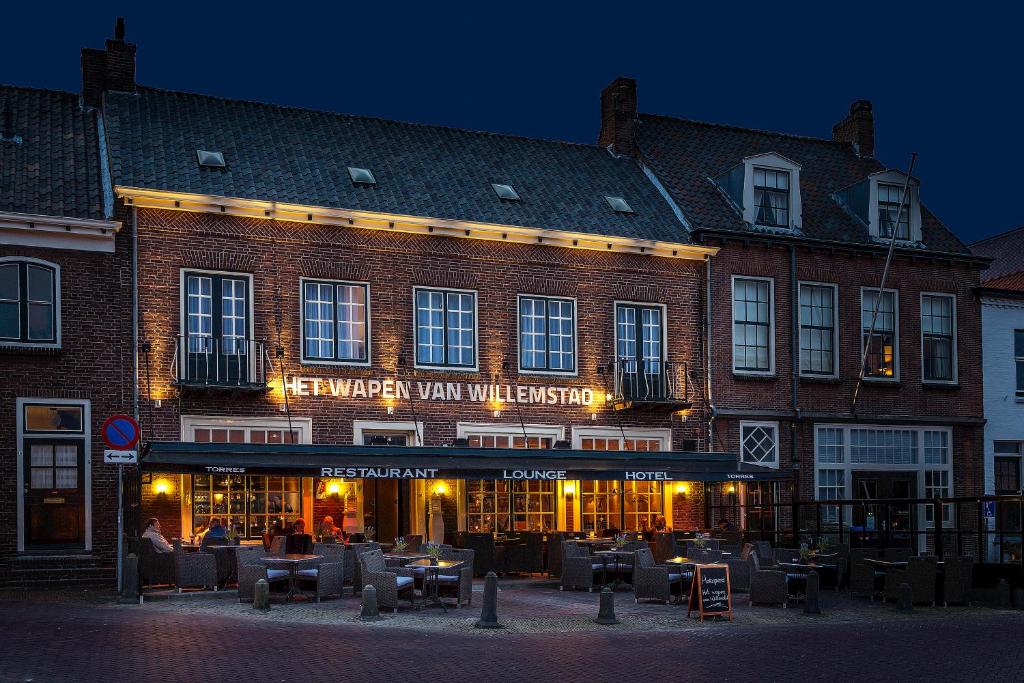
(650, 385)
(220, 363)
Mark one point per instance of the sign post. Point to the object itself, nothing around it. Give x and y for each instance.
(710, 591)
(121, 434)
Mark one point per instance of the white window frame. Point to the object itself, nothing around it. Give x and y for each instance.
(303, 426)
(512, 429)
(597, 432)
(57, 340)
(575, 336)
(772, 162)
(912, 205)
(22, 434)
(864, 323)
(774, 426)
(835, 329)
(955, 375)
(770, 372)
(406, 426)
(615, 330)
(183, 274)
(476, 330)
(304, 360)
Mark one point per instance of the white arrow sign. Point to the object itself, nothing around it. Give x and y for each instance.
(121, 457)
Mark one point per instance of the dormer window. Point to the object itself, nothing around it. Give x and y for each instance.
(771, 197)
(890, 217)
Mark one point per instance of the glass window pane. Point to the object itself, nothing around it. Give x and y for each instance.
(10, 286)
(40, 284)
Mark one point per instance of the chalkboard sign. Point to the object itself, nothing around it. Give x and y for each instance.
(711, 592)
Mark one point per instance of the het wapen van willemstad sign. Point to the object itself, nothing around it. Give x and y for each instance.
(476, 392)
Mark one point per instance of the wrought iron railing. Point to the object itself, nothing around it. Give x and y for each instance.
(650, 381)
(206, 361)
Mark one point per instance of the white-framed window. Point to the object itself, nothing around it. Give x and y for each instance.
(936, 485)
(882, 359)
(753, 325)
(841, 450)
(893, 212)
(771, 197)
(29, 303)
(640, 337)
(938, 338)
(771, 192)
(1018, 357)
(885, 190)
(819, 352)
(216, 315)
(759, 443)
(547, 335)
(445, 324)
(831, 486)
(335, 322)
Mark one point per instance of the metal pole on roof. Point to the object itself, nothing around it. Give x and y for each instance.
(881, 286)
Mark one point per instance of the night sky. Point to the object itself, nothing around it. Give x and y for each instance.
(946, 84)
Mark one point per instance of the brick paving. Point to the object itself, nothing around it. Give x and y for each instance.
(80, 637)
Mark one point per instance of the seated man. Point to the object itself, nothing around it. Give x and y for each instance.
(152, 532)
(298, 542)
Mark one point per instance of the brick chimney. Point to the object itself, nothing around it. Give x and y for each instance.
(618, 116)
(858, 128)
(112, 68)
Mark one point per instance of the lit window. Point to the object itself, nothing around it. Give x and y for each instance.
(752, 325)
(29, 302)
(771, 197)
(937, 335)
(499, 505)
(445, 328)
(759, 443)
(880, 358)
(335, 321)
(547, 334)
(890, 217)
(817, 329)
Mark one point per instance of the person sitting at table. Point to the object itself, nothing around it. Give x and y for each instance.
(197, 535)
(298, 541)
(725, 525)
(328, 529)
(217, 534)
(152, 532)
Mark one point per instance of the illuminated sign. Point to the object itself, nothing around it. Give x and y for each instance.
(392, 389)
(380, 472)
(649, 476)
(533, 474)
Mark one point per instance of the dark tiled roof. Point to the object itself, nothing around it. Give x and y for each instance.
(1007, 250)
(49, 161)
(685, 154)
(300, 156)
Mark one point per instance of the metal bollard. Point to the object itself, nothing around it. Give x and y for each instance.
(370, 610)
(811, 602)
(130, 590)
(905, 601)
(261, 595)
(606, 613)
(489, 613)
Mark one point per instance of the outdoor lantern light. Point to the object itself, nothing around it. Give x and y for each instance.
(333, 488)
(440, 488)
(162, 486)
(569, 488)
(681, 488)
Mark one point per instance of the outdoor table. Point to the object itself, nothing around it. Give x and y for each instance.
(605, 555)
(402, 558)
(431, 573)
(293, 561)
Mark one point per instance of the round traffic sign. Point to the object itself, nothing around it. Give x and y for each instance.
(120, 432)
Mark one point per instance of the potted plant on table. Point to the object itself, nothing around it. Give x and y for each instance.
(433, 552)
(401, 545)
(805, 553)
(700, 542)
(620, 541)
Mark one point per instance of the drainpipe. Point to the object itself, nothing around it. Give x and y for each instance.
(794, 349)
(711, 404)
(135, 311)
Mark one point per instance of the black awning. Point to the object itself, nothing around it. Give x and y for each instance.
(422, 462)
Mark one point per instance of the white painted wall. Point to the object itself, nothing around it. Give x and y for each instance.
(1005, 413)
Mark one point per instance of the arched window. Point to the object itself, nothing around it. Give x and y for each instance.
(29, 302)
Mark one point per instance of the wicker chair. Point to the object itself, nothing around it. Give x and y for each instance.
(328, 575)
(357, 549)
(652, 581)
(898, 554)
(488, 557)
(527, 556)
(554, 564)
(956, 581)
(863, 575)
(767, 586)
(155, 568)
(194, 570)
(391, 583)
(415, 541)
(578, 567)
(251, 570)
(765, 554)
(739, 574)
(665, 546)
(706, 556)
(459, 583)
(277, 545)
(787, 555)
(921, 573)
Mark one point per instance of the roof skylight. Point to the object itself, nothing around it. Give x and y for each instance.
(619, 205)
(361, 176)
(505, 192)
(210, 159)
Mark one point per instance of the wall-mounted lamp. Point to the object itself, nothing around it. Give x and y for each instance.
(682, 489)
(391, 410)
(730, 489)
(569, 488)
(497, 413)
(593, 416)
(333, 488)
(157, 403)
(440, 488)
(163, 486)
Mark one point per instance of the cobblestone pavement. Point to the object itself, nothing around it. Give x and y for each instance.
(85, 637)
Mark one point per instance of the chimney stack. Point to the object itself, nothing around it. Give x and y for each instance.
(112, 68)
(858, 128)
(618, 116)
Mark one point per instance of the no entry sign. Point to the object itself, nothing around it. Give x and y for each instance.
(120, 432)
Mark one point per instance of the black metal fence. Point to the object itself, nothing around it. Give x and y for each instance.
(646, 380)
(219, 361)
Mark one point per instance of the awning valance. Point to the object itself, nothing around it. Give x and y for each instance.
(425, 462)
